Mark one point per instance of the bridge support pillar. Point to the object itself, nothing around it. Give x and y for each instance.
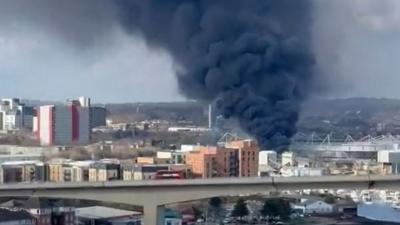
(153, 214)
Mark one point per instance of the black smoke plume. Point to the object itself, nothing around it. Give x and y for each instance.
(252, 56)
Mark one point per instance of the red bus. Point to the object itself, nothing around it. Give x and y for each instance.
(169, 175)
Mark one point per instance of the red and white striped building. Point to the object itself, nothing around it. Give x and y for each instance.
(63, 124)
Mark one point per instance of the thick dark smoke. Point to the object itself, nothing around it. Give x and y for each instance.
(251, 56)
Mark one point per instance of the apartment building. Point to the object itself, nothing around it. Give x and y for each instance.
(81, 170)
(247, 155)
(203, 162)
(105, 170)
(65, 170)
(22, 171)
(55, 169)
(235, 159)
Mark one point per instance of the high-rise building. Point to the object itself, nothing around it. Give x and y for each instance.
(10, 103)
(64, 125)
(97, 116)
(84, 101)
(15, 116)
(12, 120)
(27, 114)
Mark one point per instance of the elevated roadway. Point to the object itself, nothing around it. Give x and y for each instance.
(153, 195)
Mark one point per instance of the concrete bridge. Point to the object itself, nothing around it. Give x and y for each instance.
(154, 195)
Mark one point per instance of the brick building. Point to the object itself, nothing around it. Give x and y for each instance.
(248, 156)
(235, 159)
(203, 162)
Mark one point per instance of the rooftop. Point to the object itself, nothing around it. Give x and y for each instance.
(7, 156)
(18, 163)
(101, 212)
(7, 215)
(86, 163)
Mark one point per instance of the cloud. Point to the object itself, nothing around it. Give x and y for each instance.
(357, 47)
(56, 50)
(36, 66)
(378, 16)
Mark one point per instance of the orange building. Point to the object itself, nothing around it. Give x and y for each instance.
(202, 162)
(236, 159)
(248, 156)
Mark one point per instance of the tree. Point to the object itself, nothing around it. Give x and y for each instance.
(197, 213)
(215, 202)
(240, 210)
(330, 199)
(268, 209)
(215, 206)
(276, 207)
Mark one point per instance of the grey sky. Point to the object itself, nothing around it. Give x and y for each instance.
(35, 66)
(358, 47)
(53, 50)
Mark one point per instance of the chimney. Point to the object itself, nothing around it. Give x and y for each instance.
(210, 116)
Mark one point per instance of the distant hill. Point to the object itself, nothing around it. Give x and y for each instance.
(173, 111)
(31, 102)
(355, 116)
